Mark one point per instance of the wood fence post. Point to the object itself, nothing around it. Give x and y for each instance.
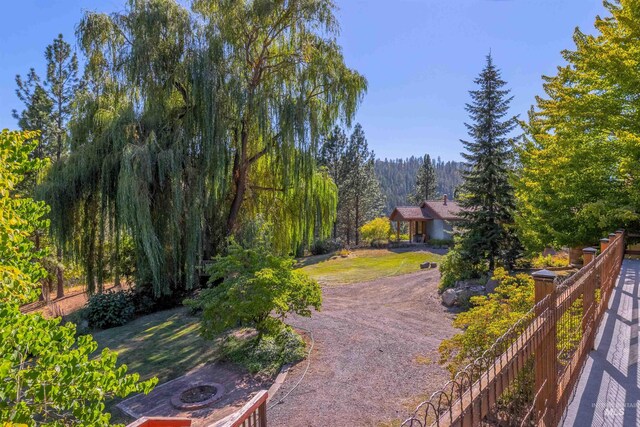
(546, 353)
(604, 243)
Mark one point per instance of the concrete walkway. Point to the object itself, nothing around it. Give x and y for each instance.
(608, 392)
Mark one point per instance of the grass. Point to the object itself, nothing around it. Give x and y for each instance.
(166, 344)
(364, 265)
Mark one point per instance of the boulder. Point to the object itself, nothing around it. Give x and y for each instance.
(465, 293)
(426, 265)
(449, 297)
(491, 285)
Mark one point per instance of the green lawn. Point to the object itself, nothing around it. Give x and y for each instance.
(364, 265)
(166, 344)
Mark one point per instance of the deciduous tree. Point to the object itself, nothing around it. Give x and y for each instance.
(49, 377)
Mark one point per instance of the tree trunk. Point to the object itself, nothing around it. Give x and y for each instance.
(357, 220)
(60, 275)
(241, 187)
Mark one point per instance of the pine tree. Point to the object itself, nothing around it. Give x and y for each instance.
(425, 181)
(332, 156)
(364, 189)
(351, 166)
(486, 194)
(63, 83)
(37, 113)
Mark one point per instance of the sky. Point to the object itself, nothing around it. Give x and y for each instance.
(419, 56)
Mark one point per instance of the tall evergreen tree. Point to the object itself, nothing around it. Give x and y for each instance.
(363, 186)
(486, 194)
(332, 157)
(37, 113)
(351, 166)
(47, 109)
(425, 181)
(62, 83)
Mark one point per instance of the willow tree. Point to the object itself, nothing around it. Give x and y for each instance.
(196, 121)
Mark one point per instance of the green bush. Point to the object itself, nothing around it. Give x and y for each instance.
(255, 284)
(440, 243)
(110, 309)
(266, 353)
(453, 268)
(321, 247)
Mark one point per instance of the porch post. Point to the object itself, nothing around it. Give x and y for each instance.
(398, 231)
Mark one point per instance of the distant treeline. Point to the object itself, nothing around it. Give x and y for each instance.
(397, 179)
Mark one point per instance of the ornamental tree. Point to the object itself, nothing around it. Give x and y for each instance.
(378, 229)
(254, 283)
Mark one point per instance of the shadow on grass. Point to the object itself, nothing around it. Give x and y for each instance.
(164, 344)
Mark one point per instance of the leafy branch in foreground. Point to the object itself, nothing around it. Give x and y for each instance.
(49, 377)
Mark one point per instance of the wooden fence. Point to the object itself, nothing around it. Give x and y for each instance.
(252, 414)
(538, 361)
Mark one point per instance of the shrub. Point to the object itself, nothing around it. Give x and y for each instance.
(265, 353)
(489, 317)
(321, 247)
(454, 267)
(255, 283)
(110, 309)
(376, 230)
(440, 243)
(557, 260)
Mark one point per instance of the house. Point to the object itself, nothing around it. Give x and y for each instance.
(433, 219)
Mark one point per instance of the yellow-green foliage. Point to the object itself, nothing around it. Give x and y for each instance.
(580, 169)
(558, 260)
(378, 229)
(489, 317)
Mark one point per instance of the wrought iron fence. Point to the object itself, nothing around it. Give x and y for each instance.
(539, 357)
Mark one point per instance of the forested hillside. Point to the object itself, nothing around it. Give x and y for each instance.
(398, 179)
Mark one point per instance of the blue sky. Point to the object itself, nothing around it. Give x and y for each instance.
(419, 56)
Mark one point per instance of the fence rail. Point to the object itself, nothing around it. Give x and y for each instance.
(550, 344)
(252, 414)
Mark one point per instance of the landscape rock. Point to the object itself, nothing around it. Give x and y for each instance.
(449, 297)
(471, 291)
(491, 286)
(426, 265)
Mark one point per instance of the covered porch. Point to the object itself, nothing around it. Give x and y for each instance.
(418, 223)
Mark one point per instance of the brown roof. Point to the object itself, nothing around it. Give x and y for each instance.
(429, 209)
(409, 213)
(438, 209)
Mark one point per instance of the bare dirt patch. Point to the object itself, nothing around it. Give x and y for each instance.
(375, 354)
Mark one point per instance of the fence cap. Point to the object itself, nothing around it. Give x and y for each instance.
(589, 250)
(604, 240)
(544, 274)
(620, 230)
(612, 235)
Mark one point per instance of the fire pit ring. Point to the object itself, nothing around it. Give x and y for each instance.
(197, 396)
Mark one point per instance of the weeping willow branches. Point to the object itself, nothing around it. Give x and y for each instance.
(195, 122)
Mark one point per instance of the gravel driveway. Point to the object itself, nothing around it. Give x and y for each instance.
(375, 354)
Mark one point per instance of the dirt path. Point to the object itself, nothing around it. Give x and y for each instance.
(375, 354)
